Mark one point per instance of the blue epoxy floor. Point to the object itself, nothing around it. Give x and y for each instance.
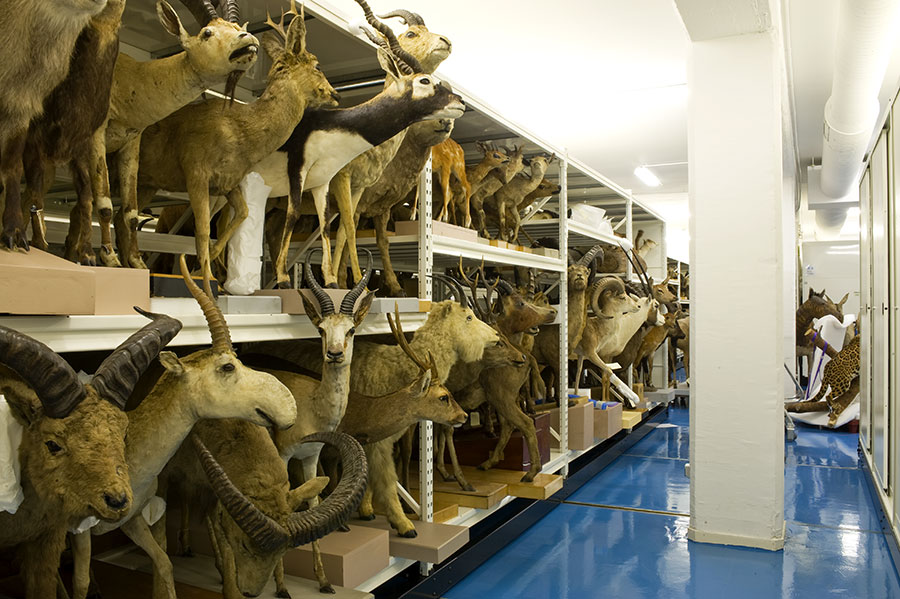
(581, 550)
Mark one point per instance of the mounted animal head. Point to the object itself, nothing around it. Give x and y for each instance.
(469, 335)
(493, 156)
(610, 299)
(257, 531)
(73, 446)
(292, 65)
(431, 49)
(514, 166)
(518, 314)
(337, 329)
(817, 305)
(232, 389)
(581, 271)
(662, 293)
(427, 398)
(221, 49)
(544, 189)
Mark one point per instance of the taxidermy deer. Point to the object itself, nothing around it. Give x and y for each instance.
(73, 116)
(514, 212)
(579, 275)
(207, 384)
(490, 184)
(460, 200)
(144, 93)
(398, 179)
(448, 159)
(511, 194)
(233, 473)
(73, 464)
(326, 140)
(37, 38)
(817, 305)
(643, 361)
(209, 147)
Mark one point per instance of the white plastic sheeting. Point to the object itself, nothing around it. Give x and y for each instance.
(11, 495)
(245, 247)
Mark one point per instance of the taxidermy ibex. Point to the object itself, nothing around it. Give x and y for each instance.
(209, 147)
(37, 38)
(72, 451)
(208, 384)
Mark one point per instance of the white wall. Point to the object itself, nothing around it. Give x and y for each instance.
(674, 208)
(833, 266)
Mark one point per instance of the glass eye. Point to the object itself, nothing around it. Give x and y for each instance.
(445, 398)
(469, 317)
(207, 33)
(53, 447)
(228, 367)
(425, 81)
(352, 331)
(411, 34)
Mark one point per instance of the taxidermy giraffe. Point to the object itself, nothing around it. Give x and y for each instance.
(209, 147)
(37, 38)
(144, 93)
(448, 158)
(72, 453)
(74, 114)
(328, 139)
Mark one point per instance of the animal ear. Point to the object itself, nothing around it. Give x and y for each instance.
(840, 304)
(389, 64)
(169, 19)
(271, 43)
(22, 401)
(425, 383)
(311, 488)
(312, 310)
(171, 363)
(296, 36)
(364, 305)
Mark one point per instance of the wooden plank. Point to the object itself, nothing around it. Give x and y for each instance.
(631, 418)
(543, 486)
(434, 542)
(442, 511)
(486, 494)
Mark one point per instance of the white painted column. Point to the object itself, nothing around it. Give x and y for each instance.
(737, 280)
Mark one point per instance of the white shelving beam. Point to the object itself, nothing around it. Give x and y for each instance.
(563, 312)
(426, 428)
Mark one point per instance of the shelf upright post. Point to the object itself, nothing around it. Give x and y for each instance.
(629, 270)
(564, 311)
(665, 266)
(426, 429)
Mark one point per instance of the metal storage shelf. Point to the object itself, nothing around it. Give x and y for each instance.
(579, 233)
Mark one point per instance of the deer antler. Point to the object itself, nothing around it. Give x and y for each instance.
(397, 330)
(279, 27)
(484, 315)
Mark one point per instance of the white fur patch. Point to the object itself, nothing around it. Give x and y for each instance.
(327, 152)
(131, 215)
(104, 202)
(11, 495)
(421, 89)
(154, 510)
(86, 524)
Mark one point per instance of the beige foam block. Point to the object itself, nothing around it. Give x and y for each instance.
(120, 289)
(37, 282)
(350, 558)
(631, 418)
(442, 511)
(434, 542)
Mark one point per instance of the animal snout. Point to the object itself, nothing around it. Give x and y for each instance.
(242, 35)
(446, 41)
(116, 502)
(334, 356)
(335, 96)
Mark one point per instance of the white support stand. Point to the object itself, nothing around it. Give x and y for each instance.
(426, 428)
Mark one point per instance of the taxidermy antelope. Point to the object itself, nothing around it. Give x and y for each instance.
(460, 200)
(73, 116)
(326, 140)
(144, 93)
(232, 471)
(209, 147)
(37, 38)
(321, 404)
(643, 361)
(72, 453)
(511, 194)
(448, 158)
(491, 183)
(817, 305)
(208, 384)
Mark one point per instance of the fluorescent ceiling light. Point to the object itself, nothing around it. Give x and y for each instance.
(647, 177)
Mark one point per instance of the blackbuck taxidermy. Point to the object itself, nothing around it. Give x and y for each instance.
(326, 140)
(209, 147)
(37, 38)
(207, 384)
(72, 453)
(74, 113)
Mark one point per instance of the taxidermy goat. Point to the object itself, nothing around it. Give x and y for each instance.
(72, 451)
(37, 38)
(144, 93)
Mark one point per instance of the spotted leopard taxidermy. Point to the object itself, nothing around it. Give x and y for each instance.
(840, 383)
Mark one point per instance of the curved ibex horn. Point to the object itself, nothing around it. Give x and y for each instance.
(203, 11)
(306, 527)
(268, 534)
(119, 372)
(408, 17)
(456, 289)
(506, 288)
(326, 306)
(600, 286)
(218, 328)
(531, 285)
(51, 377)
(590, 255)
(349, 300)
(232, 12)
(409, 64)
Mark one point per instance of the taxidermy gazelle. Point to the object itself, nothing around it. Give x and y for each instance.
(74, 114)
(37, 38)
(326, 140)
(209, 147)
(144, 93)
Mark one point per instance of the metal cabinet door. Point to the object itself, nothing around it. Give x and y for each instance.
(880, 312)
(865, 312)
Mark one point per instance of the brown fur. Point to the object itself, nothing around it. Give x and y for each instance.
(505, 200)
(490, 184)
(448, 158)
(651, 342)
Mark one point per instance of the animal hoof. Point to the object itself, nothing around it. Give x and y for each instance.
(137, 262)
(40, 244)
(484, 466)
(409, 534)
(367, 516)
(14, 238)
(343, 528)
(327, 589)
(528, 478)
(449, 478)
(284, 284)
(468, 487)
(283, 593)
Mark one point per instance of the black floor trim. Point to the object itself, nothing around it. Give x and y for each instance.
(494, 533)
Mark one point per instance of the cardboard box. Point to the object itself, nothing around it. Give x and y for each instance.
(608, 421)
(473, 446)
(120, 289)
(349, 558)
(37, 282)
(581, 426)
